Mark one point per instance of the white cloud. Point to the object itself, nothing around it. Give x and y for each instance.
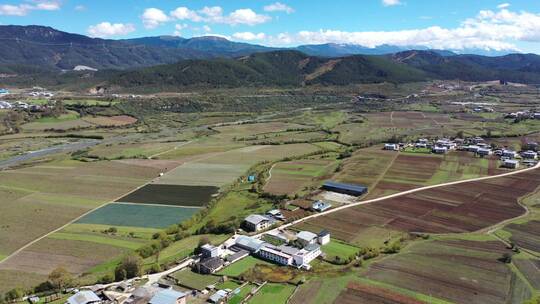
(25, 8)
(80, 8)
(206, 28)
(503, 5)
(107, 29)
(391, 2)
(488, 30)
(184, 13)
(153, 17)
(279, 7)
(249, 36)
(246, 16)
(178, 29)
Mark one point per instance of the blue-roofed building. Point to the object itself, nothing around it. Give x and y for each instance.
(4, 91)
(248, 243)
(251, 178)
(349, 189)
(168, 296)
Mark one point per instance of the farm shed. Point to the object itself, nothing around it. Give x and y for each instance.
(350, 189)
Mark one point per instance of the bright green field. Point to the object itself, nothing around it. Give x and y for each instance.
(239, 267)
(122, 231)
(105, 240)
(237, 299)
(272, 293)
(191, 279)
(338, 249)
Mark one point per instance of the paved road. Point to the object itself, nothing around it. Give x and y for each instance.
(69, 147)
(154, 278)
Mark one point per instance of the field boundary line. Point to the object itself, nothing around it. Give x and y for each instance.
(169, 150)
(398, 195)
(157, 205)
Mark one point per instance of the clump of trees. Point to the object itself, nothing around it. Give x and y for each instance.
(129, 267)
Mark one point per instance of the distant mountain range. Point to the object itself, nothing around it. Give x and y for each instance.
(26, 49)
(286, 68)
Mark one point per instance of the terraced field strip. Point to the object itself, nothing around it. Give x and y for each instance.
(401, 194)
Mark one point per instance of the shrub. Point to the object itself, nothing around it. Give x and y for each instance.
(130, 267)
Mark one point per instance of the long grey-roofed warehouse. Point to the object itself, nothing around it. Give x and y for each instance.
(350, 189)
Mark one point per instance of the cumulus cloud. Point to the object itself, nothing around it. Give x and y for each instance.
(488, 30)
(153, 17)
(107, 29)
(391, 2)
(503, 5)
(178, 29)
(279, 7)
(25, 8)
(206, 28)
(249, 36)
(184, 13)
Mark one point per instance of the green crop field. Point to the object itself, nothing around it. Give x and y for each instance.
(138, 215)
(105, 240)
(339, 249)
(272, 293)
(190, 279)
(237, 299)
(239, 267)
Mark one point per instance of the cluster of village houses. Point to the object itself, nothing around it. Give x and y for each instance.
(476, 145)
(525, 114)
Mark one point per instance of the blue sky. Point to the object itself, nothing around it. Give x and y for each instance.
(457, 24)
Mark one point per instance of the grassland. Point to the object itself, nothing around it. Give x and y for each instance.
(239, 267)
(272, 293)
(190, 279)
(336, 249)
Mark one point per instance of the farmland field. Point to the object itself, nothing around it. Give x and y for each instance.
(357, 293)
(190, 279)
(29, 209)
(225, 167)
(294, 176)
(175, 195)
(272, 293)
(76, 256)
(138, 215)
(526, 235)
(463, 207)
(338, 249)
(458, 271)
(239, 267)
